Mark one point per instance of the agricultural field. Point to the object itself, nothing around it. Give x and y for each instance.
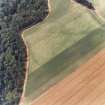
(68, 37)
(86, 86)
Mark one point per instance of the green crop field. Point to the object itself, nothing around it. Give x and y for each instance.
(64, 40)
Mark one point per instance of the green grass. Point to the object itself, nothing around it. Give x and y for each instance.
(59, 43)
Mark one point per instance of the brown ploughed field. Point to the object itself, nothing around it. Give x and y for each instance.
(85, 86)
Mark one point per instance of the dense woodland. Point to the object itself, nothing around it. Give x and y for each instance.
(15, 15)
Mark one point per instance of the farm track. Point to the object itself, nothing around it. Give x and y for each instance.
(86, 86)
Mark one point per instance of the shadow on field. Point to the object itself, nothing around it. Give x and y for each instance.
(42, 76)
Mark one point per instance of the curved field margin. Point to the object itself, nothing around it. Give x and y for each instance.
(27, 68)
(86, 86)
(69, 36)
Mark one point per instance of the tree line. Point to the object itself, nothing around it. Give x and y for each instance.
(15, 15)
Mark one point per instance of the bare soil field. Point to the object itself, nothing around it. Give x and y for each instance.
(85, 86)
